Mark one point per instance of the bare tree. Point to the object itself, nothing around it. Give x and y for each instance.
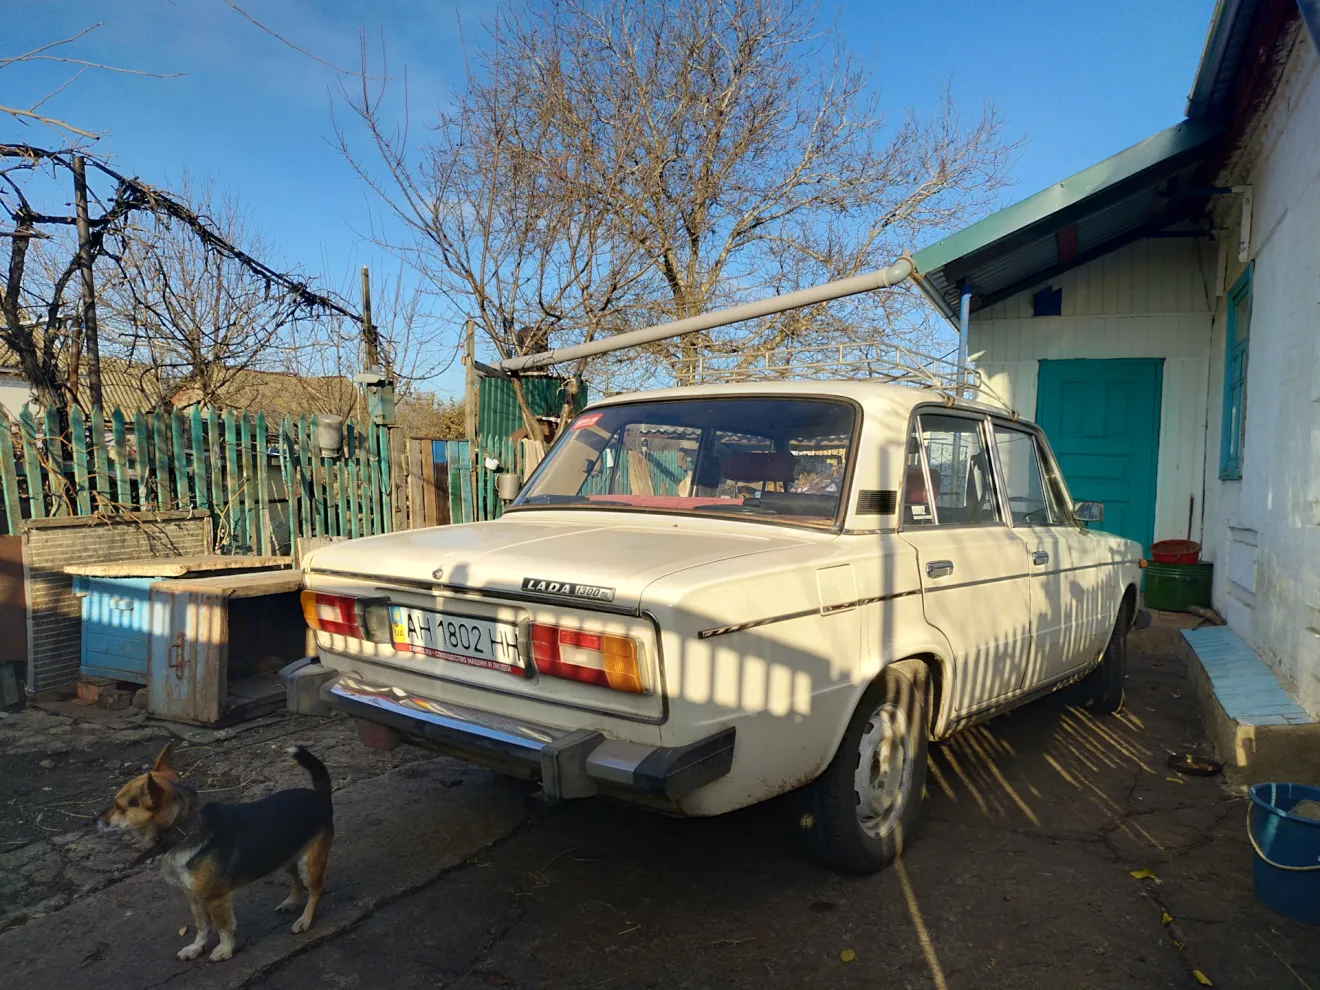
(707, 151)
(179, 262)
(496, 229)
(189, 318)
(58, 53)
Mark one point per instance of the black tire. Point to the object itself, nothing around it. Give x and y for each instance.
(1102, 688)
(835, 827)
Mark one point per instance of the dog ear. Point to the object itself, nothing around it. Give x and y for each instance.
(153, 793)
(162, 764)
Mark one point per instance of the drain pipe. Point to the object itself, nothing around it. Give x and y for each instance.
(964, 317)
(883, 279)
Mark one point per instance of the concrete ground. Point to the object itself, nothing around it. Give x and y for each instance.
(442, 876)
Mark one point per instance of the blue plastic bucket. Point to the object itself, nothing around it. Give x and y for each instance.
(1285, 873)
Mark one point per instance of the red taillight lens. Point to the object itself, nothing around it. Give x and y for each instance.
(338, 614)
(592, 658)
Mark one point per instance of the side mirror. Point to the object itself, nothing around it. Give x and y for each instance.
(1089, 512)
(507, 486)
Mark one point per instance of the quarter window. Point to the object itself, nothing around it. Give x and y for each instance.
(948, 474)
(1030, 501)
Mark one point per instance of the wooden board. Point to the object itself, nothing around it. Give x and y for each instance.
(240, 585)
(177, 566)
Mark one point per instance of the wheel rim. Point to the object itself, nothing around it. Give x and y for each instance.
(884, 770)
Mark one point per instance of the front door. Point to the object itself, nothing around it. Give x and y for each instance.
(973, 567)
(1103, 421)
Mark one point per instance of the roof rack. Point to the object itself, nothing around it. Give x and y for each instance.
(871, 359)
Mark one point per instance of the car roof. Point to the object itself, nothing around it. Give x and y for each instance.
(867, 393)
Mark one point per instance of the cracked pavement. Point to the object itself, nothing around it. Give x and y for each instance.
(1021, 877)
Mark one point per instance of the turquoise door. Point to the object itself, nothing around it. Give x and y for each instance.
(1103, 421)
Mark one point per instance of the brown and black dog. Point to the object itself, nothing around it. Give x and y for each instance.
(209, 851)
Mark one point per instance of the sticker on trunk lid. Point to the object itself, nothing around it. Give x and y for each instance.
(567, 589)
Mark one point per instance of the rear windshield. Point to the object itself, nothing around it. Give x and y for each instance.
(773, 459)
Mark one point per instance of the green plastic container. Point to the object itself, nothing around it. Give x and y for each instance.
(1177, 587)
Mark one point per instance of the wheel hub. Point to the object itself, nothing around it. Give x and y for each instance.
(884, 770)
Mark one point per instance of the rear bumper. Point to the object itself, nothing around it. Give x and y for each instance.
(569, 763)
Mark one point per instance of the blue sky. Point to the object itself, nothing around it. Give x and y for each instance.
(1077, 81)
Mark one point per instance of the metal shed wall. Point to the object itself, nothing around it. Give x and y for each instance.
(497, 405)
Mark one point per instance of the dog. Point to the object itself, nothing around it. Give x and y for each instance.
(211, 850)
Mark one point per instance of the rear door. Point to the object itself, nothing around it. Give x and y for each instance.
(973, 566)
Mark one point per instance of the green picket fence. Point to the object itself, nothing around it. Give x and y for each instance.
(265, 484)
(473, 487)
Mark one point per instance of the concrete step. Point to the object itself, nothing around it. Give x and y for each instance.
(1259, 730)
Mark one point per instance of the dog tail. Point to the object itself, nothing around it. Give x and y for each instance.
(320, 775)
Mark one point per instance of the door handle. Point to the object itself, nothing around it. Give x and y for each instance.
(939, 568)
(1040, 557)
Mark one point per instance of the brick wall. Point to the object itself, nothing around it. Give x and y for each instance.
(49, 545)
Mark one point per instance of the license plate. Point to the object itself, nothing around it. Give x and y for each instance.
(458, 638)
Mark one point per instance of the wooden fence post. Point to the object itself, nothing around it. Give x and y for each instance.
(59, 488)
(78, 436)
(234, 486)
(123, 487)
(184, 499)
(27, 427)
(100, 458)
(162, 460)
(217, 465)
(200, 457)
(142, 459)
(354, 495)
(266, 538)
(249, 482)
(9, 476)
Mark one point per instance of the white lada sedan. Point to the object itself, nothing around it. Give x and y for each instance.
(706, 597)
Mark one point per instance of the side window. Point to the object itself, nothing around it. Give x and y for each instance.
(960, 493)
(1031, 502)
(1235, 378)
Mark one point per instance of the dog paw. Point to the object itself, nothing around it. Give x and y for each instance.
(287, 906)
(221, 953)
(190, 951)
(301, 925)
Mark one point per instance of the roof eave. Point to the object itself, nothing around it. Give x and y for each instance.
(1222, 21)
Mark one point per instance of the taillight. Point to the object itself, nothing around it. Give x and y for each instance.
(344, 615)
(592, 658)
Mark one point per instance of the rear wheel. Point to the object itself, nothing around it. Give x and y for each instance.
(859, 813)
(1102, 688)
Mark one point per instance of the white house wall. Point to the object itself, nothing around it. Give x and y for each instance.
(1264, 530)
(1150, 299)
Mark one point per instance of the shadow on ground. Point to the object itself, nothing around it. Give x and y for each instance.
(1021, 878)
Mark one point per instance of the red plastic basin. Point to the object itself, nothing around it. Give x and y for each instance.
(1175, 552)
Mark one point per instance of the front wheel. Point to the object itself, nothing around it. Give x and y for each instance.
(1103, 687)
(859, 813)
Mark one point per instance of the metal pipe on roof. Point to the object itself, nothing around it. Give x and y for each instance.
(964, 318)
(885, 278)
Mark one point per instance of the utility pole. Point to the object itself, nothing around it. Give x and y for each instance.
(469, 380)
(90, 336)
(370, 339)
(380, 389)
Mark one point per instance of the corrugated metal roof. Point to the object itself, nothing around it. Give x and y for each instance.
(1131, 194)
(136, 387)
